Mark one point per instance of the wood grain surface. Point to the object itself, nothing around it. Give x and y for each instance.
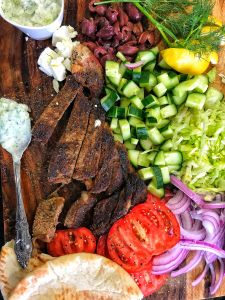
(20, 79)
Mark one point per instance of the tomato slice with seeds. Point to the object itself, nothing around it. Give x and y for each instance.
(164, 224)
(122, 253)
(72, 241)
(147, 282)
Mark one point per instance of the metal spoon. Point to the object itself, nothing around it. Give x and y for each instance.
(15, 136)
(23, 243)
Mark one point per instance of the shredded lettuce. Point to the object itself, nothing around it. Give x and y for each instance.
(200, 136)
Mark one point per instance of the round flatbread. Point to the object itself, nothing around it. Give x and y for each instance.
(82, 276)
(10, 271)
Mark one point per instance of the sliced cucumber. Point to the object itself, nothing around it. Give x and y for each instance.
(168, 111)
(160, 159)
(143, 160)
(131, 89)
(173, 168)
(146, 173)
(173, 158)
(135, 121)
(155, 136)
(158, 177)
(146, 144)
(152, 156)
(165, 175)
(133, 157)
(160, 89)
(125, 129)
(167, 145)
(135, 100)
(152, 188)
(118, 137)
(195, 100)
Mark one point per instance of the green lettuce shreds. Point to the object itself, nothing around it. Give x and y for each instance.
(200, 136)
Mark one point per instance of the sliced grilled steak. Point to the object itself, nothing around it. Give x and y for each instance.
(46, 124)
(87, 70)
(140, 192)
(46, 218)
(80, 212)
(88, 161)
(64, 158)
(102, 180)
(102, 214)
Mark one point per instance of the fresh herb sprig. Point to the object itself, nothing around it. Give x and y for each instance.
(180, 22)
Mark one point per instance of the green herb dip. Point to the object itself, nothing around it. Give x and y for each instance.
(33, 13)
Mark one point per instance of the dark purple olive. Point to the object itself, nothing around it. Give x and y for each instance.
(126, 32)
(88, 27)
(128, 50)
(137, 28)
(99, 52)
(101, 22)
(132, 42)
(106, 32)
(147, 36)
(123, 17)
(134, 14)
(115, 42)
(116, 27)
(99, 9)
(142, 47)
(106, 57)
(111, 15)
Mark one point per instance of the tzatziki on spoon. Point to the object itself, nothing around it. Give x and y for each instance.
(15, 136)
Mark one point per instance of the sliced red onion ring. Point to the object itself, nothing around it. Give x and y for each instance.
(214, 205)
(172, 265)
(182, 208)
(214, 287)
(181, 186)
(187, 220)
(176, 198)
(167, 257)
(178, 204)
(190, 266)
(201, 276)
(197, 235)
(202, 246)
(135, 65)
(213, 274)
(197, 225)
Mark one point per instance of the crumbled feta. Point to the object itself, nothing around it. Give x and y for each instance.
(57, 62)
(63, 33)
(98, 123)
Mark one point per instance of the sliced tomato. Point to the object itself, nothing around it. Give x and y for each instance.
(164, 225)
(124, 252)
(72, 241)
(55, 247)
(149, 283)
(102, 246)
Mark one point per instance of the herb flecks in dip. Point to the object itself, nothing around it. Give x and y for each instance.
(33, 13)
(15, 125)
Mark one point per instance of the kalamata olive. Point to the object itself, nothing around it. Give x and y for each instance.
(88, 27)
(99, 52)
(115, 42)
(128, 50)
(90, 45)
(116, 27)
(132, 42)
(142, 47)
(126, 32)
(106, 32)
(147, 36)
(137, 28)
(123, 17)
(99, 9)
(111, 15)
(134, 14)
(104, 43)
(101, 22)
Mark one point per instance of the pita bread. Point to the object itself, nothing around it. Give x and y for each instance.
(10, 271)
(82, 276)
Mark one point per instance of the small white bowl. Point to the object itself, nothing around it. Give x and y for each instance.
(38, 33)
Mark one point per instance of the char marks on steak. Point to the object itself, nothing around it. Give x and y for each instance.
(66, 153)
(124, 160)
(46, 124)
(102, 214)
(87, 70)
(79, 213)
(88, 161)
(46, 218)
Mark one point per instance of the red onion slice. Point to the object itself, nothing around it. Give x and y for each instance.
(190, 266)
(197, 235)
(213, 289)
(176, 198)
(135, 65)
(201, 276)
(202, 246)
(182, 208)
(214, 205)
(213, 274)
(181, 186)
(187, 220)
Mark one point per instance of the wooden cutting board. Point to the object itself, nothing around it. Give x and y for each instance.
(20, 79)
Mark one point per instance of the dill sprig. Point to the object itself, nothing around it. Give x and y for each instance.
(180, 22)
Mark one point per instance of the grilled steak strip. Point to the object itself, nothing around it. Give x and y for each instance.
(140, 192)
(124, 160)
(89, 156)
(45, 125)
(102, 214)
(46, 218)
(102, 180)
(87, 70)
(80, 212)
(64, 158)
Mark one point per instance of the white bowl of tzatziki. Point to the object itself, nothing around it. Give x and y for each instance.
(38, 19)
